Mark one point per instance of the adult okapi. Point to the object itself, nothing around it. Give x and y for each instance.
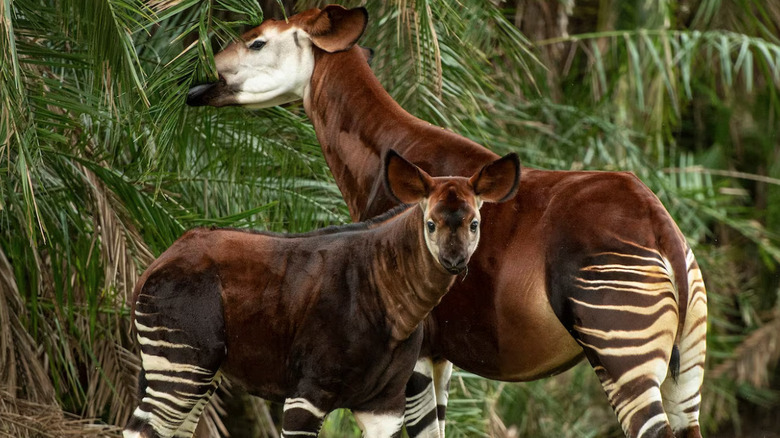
(323, 320)
(578, 263)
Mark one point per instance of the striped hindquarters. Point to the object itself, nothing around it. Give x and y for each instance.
(624, 312)
(180, 331)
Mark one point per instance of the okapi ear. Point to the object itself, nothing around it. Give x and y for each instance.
(405, 181)
(499, 180)
(336, 29)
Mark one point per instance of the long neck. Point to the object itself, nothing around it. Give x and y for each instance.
(410, 283)
(356, 121)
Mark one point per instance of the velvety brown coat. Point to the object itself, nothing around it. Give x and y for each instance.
(513, 316)
(331, 317)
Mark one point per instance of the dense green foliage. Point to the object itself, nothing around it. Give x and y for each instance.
(102, 166)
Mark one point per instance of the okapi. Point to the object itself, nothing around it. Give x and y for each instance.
(577, 264)
(321, 320)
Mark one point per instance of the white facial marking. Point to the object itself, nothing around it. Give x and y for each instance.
(431, 239)
(474, 241)
(277, 73)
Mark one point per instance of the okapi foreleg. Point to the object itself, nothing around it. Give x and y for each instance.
(421, 401)
(301, 418)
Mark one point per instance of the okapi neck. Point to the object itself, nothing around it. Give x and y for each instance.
(411, 283)
(357, 121)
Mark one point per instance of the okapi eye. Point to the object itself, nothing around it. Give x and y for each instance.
(431, 226)
(474, 225)
(257, 45)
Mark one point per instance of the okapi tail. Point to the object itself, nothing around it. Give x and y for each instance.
(674, 363)
(678, 256)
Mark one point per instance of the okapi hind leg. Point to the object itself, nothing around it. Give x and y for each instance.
(622, 308)
(637, 403)
(681, 390)
(187, 429)
(442, 372)
(421, 410)
(180, 329)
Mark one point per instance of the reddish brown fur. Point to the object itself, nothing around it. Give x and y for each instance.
(509, 318)
(331, 316)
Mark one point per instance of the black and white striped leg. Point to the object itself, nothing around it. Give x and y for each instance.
(187, 429)
(624, 312)
(387, 425)
(420, 411)
(682, 396)
(301, 418)
(173, 394)
(180, 355)
(442, 372)
(637, 402)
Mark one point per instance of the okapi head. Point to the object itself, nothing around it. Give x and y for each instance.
(272, 64)
(450, 205)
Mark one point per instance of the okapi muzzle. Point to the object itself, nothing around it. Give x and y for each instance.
(214, 94)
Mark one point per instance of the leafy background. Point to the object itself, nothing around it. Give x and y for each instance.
(102, 166)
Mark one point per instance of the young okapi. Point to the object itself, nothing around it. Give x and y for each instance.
(578, 263)
(323, 320)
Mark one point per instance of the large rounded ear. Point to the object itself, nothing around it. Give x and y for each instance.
(407, 182)
(499, 180)
(336, 29)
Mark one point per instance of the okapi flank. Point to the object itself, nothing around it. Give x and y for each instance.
(577, 264)
(322, 320)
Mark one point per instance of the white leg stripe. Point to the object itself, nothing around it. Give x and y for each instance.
(169, 411)
(170, 379)
(144, 341)
(652, 422)
(413, 400)
(414, 414)
(172, 398)
(639, 310)
(302, 403)
(160, 363)
(297, 433)
(142, 328)
(158, 424)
